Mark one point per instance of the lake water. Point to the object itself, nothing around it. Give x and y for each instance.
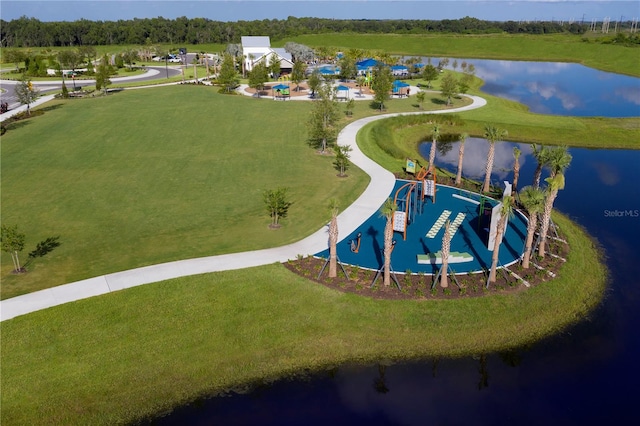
(559, 88)
(588, 373)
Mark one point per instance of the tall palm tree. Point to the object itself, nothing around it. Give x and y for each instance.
(558, 160)
(463, 138)
(554, 184)
(387, 210)
(435, 135)
(492, 134)
(516, 168)
(446, 246)
(533, 201)
(541, 154)
(506, 211)
(333, 239)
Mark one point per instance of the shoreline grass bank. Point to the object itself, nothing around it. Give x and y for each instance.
(138, 353)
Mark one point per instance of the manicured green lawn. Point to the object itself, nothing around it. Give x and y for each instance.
(162, 174)
(119, 357)
(149, 176)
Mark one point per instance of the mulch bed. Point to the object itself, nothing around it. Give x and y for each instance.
(421, 286)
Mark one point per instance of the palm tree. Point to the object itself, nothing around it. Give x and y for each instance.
(492, 134)
(387, 210)
(554, 184)
(463, 138)
(533, 201)
(541, 154)
(333, 239)
(516, 168)
(506, 211)
(446, 245)
(435, 135)
(558, 160)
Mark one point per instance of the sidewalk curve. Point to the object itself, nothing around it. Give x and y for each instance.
(379, 188)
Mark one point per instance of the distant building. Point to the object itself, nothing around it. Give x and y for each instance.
(256, 49)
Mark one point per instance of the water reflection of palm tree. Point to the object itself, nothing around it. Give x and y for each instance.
(492, 134)
(379, 384)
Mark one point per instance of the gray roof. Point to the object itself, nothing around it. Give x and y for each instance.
(255, 41)
(282, 53)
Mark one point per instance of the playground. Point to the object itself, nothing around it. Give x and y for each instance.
(419, 225)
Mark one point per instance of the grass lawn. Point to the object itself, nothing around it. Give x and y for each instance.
(123, 356)
(129, 180)
(148, 176)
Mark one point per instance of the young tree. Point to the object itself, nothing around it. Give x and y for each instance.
(349, 106)
(12, 242)
(449, 87)
(258, 76)
(435, 135)
(506, 211)
(360, 81)
(228, 77)
(103, 72)
(333, 238)
(314, 82)
(463, 138)
(342, 161)
(430, 73)
(277, 204)
(420, 97)
(26, 93)
(129, 56)
(446, 245)
(347, 67)
(492, 134)
(533, 201)
(297, 74)
(324, 117)
(387, 210)
(69, 59)
(382, 84)
(274, 66)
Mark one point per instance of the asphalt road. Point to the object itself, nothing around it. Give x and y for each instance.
(160, 72)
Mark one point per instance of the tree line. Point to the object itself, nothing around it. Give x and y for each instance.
(31, 32)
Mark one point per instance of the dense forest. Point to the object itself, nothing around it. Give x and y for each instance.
(30, 32)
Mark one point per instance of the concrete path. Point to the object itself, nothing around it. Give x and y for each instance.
(380, 187)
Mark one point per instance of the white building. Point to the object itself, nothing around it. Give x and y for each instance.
(256, 49)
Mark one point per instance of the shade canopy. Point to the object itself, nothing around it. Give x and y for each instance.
(399, 83)
(280, 87)
(342, 88)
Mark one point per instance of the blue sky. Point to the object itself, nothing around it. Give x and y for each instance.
(234, 10)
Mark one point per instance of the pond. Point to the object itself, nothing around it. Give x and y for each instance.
(588, 372)
(558, 88)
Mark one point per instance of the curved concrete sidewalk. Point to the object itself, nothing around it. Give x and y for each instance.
(381, 185)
